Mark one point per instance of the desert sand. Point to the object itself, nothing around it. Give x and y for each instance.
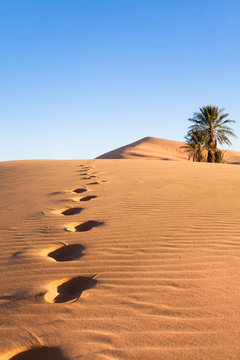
(161, 149)
(119, 259)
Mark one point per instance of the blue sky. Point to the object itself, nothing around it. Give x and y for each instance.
(82, 77)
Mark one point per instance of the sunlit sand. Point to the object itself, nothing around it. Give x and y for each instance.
(147, 269)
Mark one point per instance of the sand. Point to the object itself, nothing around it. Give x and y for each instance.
(147, 267)
(151, 148)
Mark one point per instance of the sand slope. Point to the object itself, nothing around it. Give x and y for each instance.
(148, 148)
(154, 148)
(148, 269)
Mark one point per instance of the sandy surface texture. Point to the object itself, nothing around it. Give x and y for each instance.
(119, 260)
(154, 148)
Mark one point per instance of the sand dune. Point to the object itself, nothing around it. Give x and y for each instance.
(149, 268)
(148, 148)
(154, 148)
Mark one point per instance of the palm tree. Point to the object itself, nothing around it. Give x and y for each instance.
(219, 156)
(194, 145)
(212, 122)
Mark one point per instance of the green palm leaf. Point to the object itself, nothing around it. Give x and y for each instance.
(211, 122)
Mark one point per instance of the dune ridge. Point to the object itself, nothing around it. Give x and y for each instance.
(153, 148)
(158, 280)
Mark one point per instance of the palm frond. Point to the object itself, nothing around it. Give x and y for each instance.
(213, 123)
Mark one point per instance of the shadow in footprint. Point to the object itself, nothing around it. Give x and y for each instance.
(72, 289)
(90, 177)
(72, 211)
(40, 353)
(89, 197)
(84, 169)
(93, 183)
(79, 191)
(88, 225)
(67, 252)
(68, 290)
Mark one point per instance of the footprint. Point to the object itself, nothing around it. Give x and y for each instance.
(97, 182)
(85, 226)
(84, 169)
(79, 191)
(87, 198)
(67, 252)
(72, 211)
(68, 290)
(88, 225)
(90, 177)
(40, 353)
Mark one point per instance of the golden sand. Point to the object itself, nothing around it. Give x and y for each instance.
(158, 280)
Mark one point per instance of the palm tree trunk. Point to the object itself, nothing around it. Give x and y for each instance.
(211, 149)
(210, 157)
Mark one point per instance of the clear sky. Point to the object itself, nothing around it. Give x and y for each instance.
(82, 77)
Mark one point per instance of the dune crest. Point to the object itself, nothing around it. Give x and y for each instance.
(153, 148)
